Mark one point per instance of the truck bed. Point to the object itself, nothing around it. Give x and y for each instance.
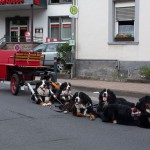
(19, 58)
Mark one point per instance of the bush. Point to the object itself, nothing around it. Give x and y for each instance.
(64, 52)
(145, 71)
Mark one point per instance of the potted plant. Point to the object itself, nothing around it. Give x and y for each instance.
(124, 37)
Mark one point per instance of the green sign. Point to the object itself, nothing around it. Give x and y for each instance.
(73, 10)
(72, 42)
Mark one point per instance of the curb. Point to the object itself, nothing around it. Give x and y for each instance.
(117, 92)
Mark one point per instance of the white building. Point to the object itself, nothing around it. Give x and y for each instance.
(98, 54)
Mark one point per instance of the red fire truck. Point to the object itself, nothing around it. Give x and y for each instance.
(19, 67)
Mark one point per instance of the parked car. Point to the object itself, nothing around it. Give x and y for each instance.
(50, 51)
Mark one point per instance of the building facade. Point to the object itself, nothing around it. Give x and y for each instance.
(112, 40)
(100, 54)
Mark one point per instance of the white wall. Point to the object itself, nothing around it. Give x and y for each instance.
(58, 10)
(92, 29)
(144, 32)
(2, 26)
(93, 33)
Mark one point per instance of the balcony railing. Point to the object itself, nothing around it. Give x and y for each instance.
(2, 42)
(20, 39)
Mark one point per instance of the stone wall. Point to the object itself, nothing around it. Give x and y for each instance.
(22, 46)
(110, 70)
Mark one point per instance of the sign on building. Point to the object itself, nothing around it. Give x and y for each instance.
(72, 42)
(39, 32)
(74, 11)
(4, 2)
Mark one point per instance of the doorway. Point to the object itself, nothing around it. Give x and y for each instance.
(16, 28)
(14, 35)
(17, 33)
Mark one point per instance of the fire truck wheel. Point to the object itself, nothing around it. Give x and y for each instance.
(14, 85)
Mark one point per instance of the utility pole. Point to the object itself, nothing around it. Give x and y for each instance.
(73, 37)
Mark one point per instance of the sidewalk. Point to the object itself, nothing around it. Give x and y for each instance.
(120, 88)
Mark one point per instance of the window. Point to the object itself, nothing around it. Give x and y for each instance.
(54, 1)
(40, 48)
(60, 28)
(66, 28)
(126, 27)
(51, 48)
(123, 21)
(124, 17)
(59, 1)
(54, 26)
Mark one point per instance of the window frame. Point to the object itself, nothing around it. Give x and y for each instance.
(60, 26)
(54, 23)
(60, 2)
(124, 6)
(65, 23)
(111, 24)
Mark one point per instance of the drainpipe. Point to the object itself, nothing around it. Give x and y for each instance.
(118, 65)
(32, 23)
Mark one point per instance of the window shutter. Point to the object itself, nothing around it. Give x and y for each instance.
(125, 13)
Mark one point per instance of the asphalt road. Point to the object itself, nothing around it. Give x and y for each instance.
(27, 126)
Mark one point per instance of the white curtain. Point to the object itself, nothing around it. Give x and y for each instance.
(126, 29)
